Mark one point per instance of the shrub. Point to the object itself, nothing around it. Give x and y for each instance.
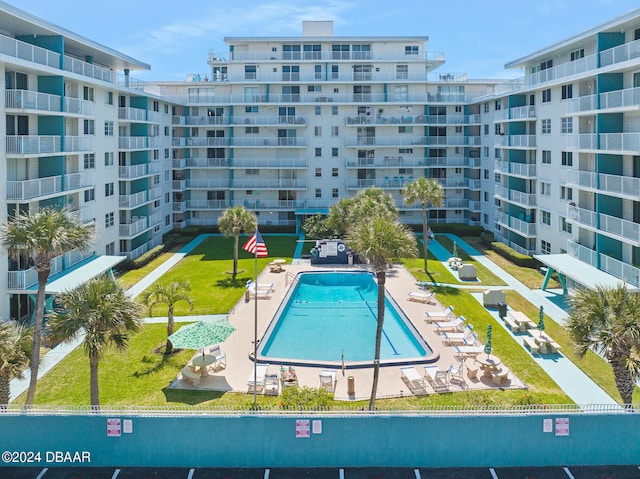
(519, 259)
(305, 398)
(486, 237)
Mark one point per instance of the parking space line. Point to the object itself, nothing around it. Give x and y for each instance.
(42, 473)
(493, 473)
(190, 475)
(115, 474)
(568, 473)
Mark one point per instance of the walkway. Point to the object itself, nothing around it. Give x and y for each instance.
(575, 383)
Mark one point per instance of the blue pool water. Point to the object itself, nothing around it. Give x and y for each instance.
(331, 312)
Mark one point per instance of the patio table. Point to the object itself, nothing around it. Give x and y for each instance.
(203, 361)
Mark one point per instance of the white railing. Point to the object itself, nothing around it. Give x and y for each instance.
(584, 254)
(133, 200)
(179, 206)
(78, 106)
(205, 162)
(620, 227)
(582, 141)
(561, 71)
(260, 183)
(74, 181)
(24, 190)
(267, 120)
(522, 169)
(88, 69)
(620, 141)
(395, 140)
(33, 144)
(521, 226)
(132, 142)
(201, 142)
(199, 120)
(247, 141)
(581, 216)
(134, 171)
(179, 184)
(78, 143)
(526, 199)
(132, 114)
(621, 53)
(269, 163)
(136, 226)
(629, 97)
(84, 214)
(624, 185)
(206, 204)
(522, 112)
(25, 51)
(395, 162)
(584, 179)
(620, 269)
(581, 103)
(31, 100)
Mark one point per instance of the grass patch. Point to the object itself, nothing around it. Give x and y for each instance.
(131, 277)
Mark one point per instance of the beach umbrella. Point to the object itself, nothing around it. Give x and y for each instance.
(201, 334)
(455, 249)
(487, 345)
(540, 325)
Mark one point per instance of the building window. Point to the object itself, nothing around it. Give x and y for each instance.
(89, 195)
(318, 111)
(156, 203)
(486, 107)
(334, 192)
(411, 50)
(335, 131)
(156, 180)
(318, 193)
(546, 157)
(334, 110)
(252, 130)
(405, 129)
(251, 109)
(110, 249)
(485, 196)
(167, 220)
(156, 106)
(486, 129)
(577, 54)
(167, 198)
(89, 127)
(567, 158)
(108, 128)
(166, 153)
(108, 189)
(318, 152)
(486, 174)
(317, 131)
(546, 218)
(87, 93)
(566, 125)
(545, 189)
(334, 172)
(545, 246)
(108, 158)
(402, 72)
(252, 171)
(565, 226)
(318, 172)
(334, 152)
(314, 88)
(156, 154)
(546, 95)
(567, 91)
(546, 126)
(405, 151)
(108, 98)
(89, 161)
(108, 220)
(566, 193)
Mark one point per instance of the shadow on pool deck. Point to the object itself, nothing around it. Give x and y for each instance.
(239, 345)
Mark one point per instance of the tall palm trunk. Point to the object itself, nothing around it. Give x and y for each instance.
(93, 380)
(168, 349)
(381, 276)
(43, 268)
(425, 236)
(235, 256)
(624, 379)
(5, 388)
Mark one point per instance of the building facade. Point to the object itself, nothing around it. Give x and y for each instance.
(286, 126)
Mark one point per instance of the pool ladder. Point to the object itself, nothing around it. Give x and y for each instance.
(290, 278)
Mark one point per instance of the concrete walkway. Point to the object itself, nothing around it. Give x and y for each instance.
(578, 386)
(575, 383)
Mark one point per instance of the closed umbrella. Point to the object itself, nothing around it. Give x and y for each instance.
(487, 345)
(201, 334)
(540, 325)
(455, 249)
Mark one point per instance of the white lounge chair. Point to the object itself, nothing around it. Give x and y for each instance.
(415, 382)
(271, 384)
(257, 383)
(468, 351)
(433, 316)
(455, 325)
(421, 297)
(328, 380)
(465, 337)
(438, 378)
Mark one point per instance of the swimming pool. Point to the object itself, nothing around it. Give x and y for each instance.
(328, 313)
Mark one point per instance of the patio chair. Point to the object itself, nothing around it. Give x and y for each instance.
(288, 377)
(219, 356)
(328, 380)
(434, 316)
(271, 384)
(455, 325)
(411, 377)
(421, 297)
(452, 338)
(468, 351)
(438, 378)
(257, 383)
(456, 375)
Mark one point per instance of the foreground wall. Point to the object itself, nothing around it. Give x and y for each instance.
(356, 441)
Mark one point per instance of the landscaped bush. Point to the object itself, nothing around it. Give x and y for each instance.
(454, 228)
(304, 398)
(487, 238)
(520, 259)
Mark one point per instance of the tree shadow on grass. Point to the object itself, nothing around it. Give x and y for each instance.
(239, 282)
(155, 362)
(191, 397)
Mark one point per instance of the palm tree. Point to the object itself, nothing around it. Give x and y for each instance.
(426, 191)
(15, 342)
(40, 237)
(380, 240)
(105, 313)
(608, 320)
(368, 203)
(169, 294)
(234, 221)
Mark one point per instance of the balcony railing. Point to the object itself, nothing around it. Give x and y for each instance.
(27, 189)
(78, 106)
(582, 103)
(134, 171)
(203, 142)
(269, 120)
(78, 143)
(620, 53)
(133, 200)
(516, 169)
(132, 142)
(516, 141)
(25, 51)
(132, 114)
(204, 183)
(266, 183)
(247, 141)
(88, 69)
(561, 71)
(33, 144)
(206, 204)
(628, 97)
(31, 100)
(207, 162)
(135, 227)
(239, 163)
(620, 269)
(620, 142)
(389, 140)
(24, 279)
(388, 161)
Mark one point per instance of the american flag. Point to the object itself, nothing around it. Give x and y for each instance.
(255, 245)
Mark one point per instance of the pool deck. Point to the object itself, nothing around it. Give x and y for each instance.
(239, 346)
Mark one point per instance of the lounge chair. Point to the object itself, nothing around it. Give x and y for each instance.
(421, 297)
(271, 384)
(415, 382)
(456, 375)
(190, 375)
(287, 381)
(328, 380)
(465, 337)
(219, 355)
(438, 378)
(262, 291)
(257, 383)
(433, 316)
(468, 351)
(455, 325)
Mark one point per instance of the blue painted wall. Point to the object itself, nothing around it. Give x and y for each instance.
(50, 166)
(50, 42)
(51, 125)
(139, 157)
(610, 164)
(608, 40)
(610, 123)
(270, 441)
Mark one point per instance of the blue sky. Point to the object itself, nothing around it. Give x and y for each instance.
(477, 37)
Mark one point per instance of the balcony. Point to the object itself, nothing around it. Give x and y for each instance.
(136, 225)
(581, 104)
(516, 169)
(25, 279)
(558, 72)
(199, 120)
(269, 120)
(207, 162)
(28, 189)
(140, 250)
(207, 204)
(259, 142)
(621, 53)
(133, 200)
(78, 106)
(516, 141)
(84, 214)
(78, 143)
(33, 144)
(31, 100)
(200, 142)
(360, 141)
(205, 183)
(132, 143)
(272, 163)
(25, 51)
(386, 162)
(132, 114)
(519, 226)
(628, 143)
(268, 183)
(619, 99)
(88, 69)
(133, 172)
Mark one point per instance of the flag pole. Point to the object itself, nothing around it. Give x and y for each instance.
(255, 333)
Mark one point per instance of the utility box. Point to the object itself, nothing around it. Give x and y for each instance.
(502, 310)
(351, 386)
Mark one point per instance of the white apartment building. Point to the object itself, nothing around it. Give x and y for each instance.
(286, 126)
(77, 132)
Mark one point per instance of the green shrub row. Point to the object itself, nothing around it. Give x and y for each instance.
(519, 259)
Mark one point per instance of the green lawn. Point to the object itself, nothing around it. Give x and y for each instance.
(140, 375)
